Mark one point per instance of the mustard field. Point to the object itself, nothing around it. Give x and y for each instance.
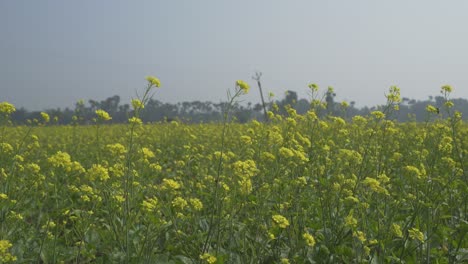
(295, 189)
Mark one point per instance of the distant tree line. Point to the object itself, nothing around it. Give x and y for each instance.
(206, 112)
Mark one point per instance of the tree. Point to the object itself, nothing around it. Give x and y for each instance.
(330, 100)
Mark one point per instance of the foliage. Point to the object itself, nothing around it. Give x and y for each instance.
(298, 189)
(207, 112)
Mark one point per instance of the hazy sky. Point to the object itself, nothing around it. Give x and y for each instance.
(53, 53)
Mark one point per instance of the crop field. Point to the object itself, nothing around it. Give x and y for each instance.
(295, 189)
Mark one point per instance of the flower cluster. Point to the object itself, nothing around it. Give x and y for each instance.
(153, 81)
(7, 108)
(103, 115)
(243, 86)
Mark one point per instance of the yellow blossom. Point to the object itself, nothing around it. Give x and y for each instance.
(7, 108)
(208, 258)
(313, 86)
(286, 152)
(413, 171)
(149, 204)
(360, 120)
(396, 230)
(147, 153)
(312, 115)
(153, 81)
(60, 159)
(432, 109)
(97, 171)
(378, 114)
(15, 215)
(119, 198)
(280, 220)
(351, 200)
(116, 149)
(245, 185)
(414, 233)
(302, 181)
(179, 202)
(394, 95)
(243, 86)
(449, 104)
(103, 115)
(445, 144)
(170, 184)
(45, 117)
(5, 148)
(350, 220)
(137, 104)
(374, 185)
(446, 88)
(268, 156)
(246, 168)
(309, 239)
(196, 204)
(246, 140)
(135, 121)
(360, 235)
(5, 255)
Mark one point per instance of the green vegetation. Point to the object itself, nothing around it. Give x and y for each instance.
(207, 112)
(300, 188)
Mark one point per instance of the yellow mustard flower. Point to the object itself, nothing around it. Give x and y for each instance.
(137, 104)
(446, 88)
(5, 255)
(97, 171)
(149, 204)
(246, 168)
(60, 159)
(280, 220)
(135, 121)
(179, 202)
(45, 117)
(153, 81)
(314, 87)
(396, 230)
(103, 115)
(378, 114)
(243, 86)
(374, 185)
(432, 109)
(7, 108)
(350, 221)
(208, 258)
(414, 233)
(361, 236)
(309, 239)
(245, 185)
(286, 152)
(147, 153)
(196, 204)
(246, 140)
(170, 184)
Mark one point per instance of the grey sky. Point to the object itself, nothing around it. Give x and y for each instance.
(53, 53)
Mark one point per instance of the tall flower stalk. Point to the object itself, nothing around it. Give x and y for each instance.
(241, 88)
(138, 105)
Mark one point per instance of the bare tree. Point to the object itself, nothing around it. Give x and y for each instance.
(257, 77)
